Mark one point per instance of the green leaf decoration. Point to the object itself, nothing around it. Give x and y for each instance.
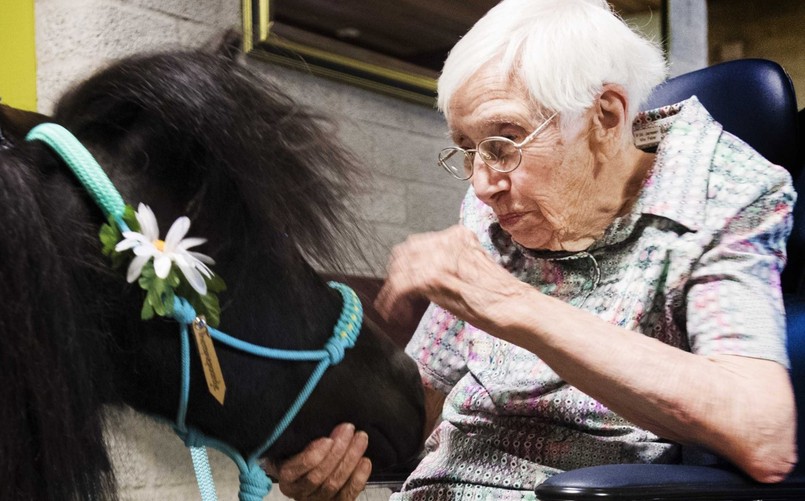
(147, 313)
(207, 305)
(215, 284)
(130, 218)
(161, 299)
(211, 307)
(160, 292)
(110, 236)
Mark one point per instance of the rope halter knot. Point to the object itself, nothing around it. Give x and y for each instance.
(254, 484)
(335, 349)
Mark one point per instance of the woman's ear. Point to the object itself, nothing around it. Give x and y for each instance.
(610, 116)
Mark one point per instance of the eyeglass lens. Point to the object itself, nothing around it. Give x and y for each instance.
(457, 162)
(500, 154)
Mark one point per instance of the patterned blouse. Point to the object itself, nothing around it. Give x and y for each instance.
(695, 264)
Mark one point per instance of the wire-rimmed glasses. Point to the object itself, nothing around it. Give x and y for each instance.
(498, 153)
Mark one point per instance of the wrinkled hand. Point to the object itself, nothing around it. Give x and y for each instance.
(328, 468)
(451, 269)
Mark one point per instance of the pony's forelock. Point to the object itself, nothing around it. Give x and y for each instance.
(283, 161)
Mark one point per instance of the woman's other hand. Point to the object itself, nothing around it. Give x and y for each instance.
(328, 468)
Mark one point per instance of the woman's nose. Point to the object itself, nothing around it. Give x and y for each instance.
(487, 182)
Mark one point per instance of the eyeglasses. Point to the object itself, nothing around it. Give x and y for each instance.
(498, 153)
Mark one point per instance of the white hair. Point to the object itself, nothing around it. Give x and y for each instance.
(563, 51)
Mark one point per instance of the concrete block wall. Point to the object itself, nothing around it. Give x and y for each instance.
(397, 140)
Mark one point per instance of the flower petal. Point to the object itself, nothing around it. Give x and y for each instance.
(135, 235)
(176, 233)
(190, 242)
(145, 249)
(204, 270)
(162, 265)
(187, 258)
(201, 257)
(136, 267)
(194, 278)
(148, 222)
(126, 244)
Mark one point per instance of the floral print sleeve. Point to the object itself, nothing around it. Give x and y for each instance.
(734, 303)
(439, 346)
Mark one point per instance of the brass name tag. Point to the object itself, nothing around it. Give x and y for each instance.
(209, 359)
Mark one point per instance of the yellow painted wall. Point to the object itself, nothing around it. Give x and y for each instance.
(17, 54)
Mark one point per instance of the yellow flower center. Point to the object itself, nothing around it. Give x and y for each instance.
(160, 245)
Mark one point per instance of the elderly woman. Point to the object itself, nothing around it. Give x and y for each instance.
(599, 303)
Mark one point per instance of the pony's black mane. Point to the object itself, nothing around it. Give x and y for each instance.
(217, 117)
(190, 126)
(46, 425)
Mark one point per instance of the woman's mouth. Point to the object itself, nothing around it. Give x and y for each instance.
(510, 219)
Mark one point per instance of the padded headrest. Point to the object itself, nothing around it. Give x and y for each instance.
(753, 99)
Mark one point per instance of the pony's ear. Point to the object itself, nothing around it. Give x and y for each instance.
(15, 123)
(229, 45)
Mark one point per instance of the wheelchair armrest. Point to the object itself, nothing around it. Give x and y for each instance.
(795, 322)
(659, 482)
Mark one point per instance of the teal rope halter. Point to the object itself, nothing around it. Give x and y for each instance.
(254, 483)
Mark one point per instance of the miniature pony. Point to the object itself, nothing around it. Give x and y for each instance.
(192, 134)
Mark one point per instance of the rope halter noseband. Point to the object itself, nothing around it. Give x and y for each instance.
(254, 483)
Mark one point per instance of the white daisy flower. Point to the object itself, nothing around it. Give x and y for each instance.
(146, 245)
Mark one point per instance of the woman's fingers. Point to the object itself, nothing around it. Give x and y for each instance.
(296, 467)
(423, 265)
(344, 480)
(318, 472)
(357, 481)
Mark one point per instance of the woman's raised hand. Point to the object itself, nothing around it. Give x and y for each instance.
(451, 269)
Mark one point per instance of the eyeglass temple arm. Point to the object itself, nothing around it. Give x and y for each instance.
(537, 130)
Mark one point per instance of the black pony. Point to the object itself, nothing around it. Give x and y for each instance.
(193, 134)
